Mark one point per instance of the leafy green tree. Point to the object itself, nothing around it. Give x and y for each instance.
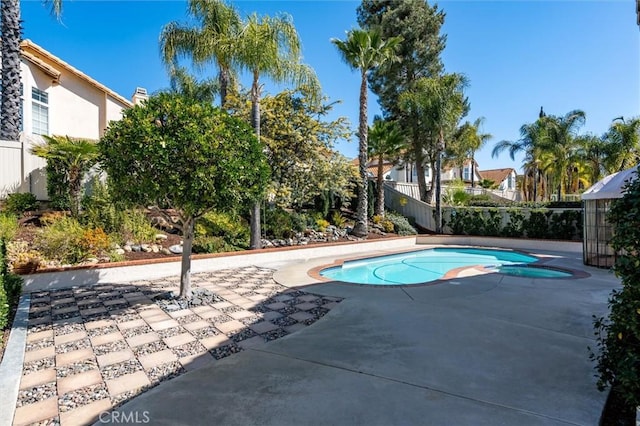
(75, 157)
(175, 152)
(299, 140)
(440, 103)
(623, 140)
(386, 142)
(10, 100)
(270, 47)
(467, 141)
(618, 358)
(365, 50)
(211, 41)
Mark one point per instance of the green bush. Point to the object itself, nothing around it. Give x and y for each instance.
(99, 210)
(515, 225)
(537, 225)
(8, 226)
(19, 203)
(400, 224)
(58, 185)
(564, 225)
(233, 229)
(62, 241)
(210, 244)
(618, 336)
(278, 223)
(10, 286)
(136, 227)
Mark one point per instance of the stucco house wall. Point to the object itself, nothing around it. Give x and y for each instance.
(74, 105)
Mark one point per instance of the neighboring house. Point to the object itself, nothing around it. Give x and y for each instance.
(505, 179)
(406, 172)
(372, 169)
(58, 99)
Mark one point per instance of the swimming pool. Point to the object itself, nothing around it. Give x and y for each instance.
(420, 266)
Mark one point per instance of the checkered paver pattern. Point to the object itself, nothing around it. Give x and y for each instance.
(90, 349)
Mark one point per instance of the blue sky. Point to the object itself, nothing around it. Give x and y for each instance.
(518, 55)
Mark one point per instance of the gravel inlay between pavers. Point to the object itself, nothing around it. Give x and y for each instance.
(62, 312)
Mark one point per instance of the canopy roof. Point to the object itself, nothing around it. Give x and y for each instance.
(610, 186)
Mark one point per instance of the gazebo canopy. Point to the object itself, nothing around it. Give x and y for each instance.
(611, 186)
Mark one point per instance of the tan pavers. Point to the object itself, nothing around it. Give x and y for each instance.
(301, 316)
(77, 381)
(157, 358)
(215, 341)
(106, 338)
(201, 309)
(62, 311)
(229, 326)
(84, 302)
(263, 327)
(34, 337)
(141, 339)
(212, 313)
(181, 313)
(32, 413)
(241, 314)
(39, 354)
(87, 414)
(39, 321)
(91, 325)
(131, 324)
(93, 311)
(196, 325)
(163, 325)
(114, 357)
(38, 378)
(178, 340)
(127, 383)
(64, 301)
(73, 356)
(71, 337)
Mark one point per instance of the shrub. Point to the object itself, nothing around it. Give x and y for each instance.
(322, 224)
(95, 242)
(400, 224)
(8, 226)
(515, 226)
(21, 256)
(10, 286)
(458, 220)
(493, 223)
(49, 218)
(211, 244)
(136, 227)
(278, 223)
(19, 203)
(387, 225)
(99, 210)
(338, 220)
(61, 241)
(537, 224)
(233, 229)
(563, 225)
(376, 219)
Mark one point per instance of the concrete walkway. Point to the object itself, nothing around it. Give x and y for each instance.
(483, 350)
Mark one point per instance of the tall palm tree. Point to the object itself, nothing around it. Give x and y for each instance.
(10, 101)
(471, 140)
(212, 41)
(270, 47)
(364, 50)
(531, 136)
(385, 143)
(623, 138)
(561, 141)
(76, 157)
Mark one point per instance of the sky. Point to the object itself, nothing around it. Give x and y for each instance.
(518, 55)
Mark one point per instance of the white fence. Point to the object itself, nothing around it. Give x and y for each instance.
(21, 171)
(412, 190)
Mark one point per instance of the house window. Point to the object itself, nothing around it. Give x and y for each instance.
(510, 184)
(39, 112)
(426, 171)
(467, 173)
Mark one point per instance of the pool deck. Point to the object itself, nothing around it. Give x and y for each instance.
(486, 349)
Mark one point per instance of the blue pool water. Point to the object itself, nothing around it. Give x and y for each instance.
(420, 266)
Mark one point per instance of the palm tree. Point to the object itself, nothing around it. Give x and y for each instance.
(561, 141)
(365, 50)
(270, 47)
(184, 83)
(471, 140)
(213, 41)
(385, 143)
(10, 101)
(623, 139)
(530, 139)
(76, 157)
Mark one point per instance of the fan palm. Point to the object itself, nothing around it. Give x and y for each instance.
(212, 41)
(76, 156)
(364, 50)
(624, 144)
(270, 47)
(471, 139)
(184, 83)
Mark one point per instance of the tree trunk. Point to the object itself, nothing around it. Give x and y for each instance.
(187, 244)
(255, 241)
(380, 200)
(224, 80)
(438, 192)
(535, 184)
(473, 171)
(75, 188)
(10, 102)
(361, 227)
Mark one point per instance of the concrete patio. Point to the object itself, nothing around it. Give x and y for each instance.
(482, 350)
